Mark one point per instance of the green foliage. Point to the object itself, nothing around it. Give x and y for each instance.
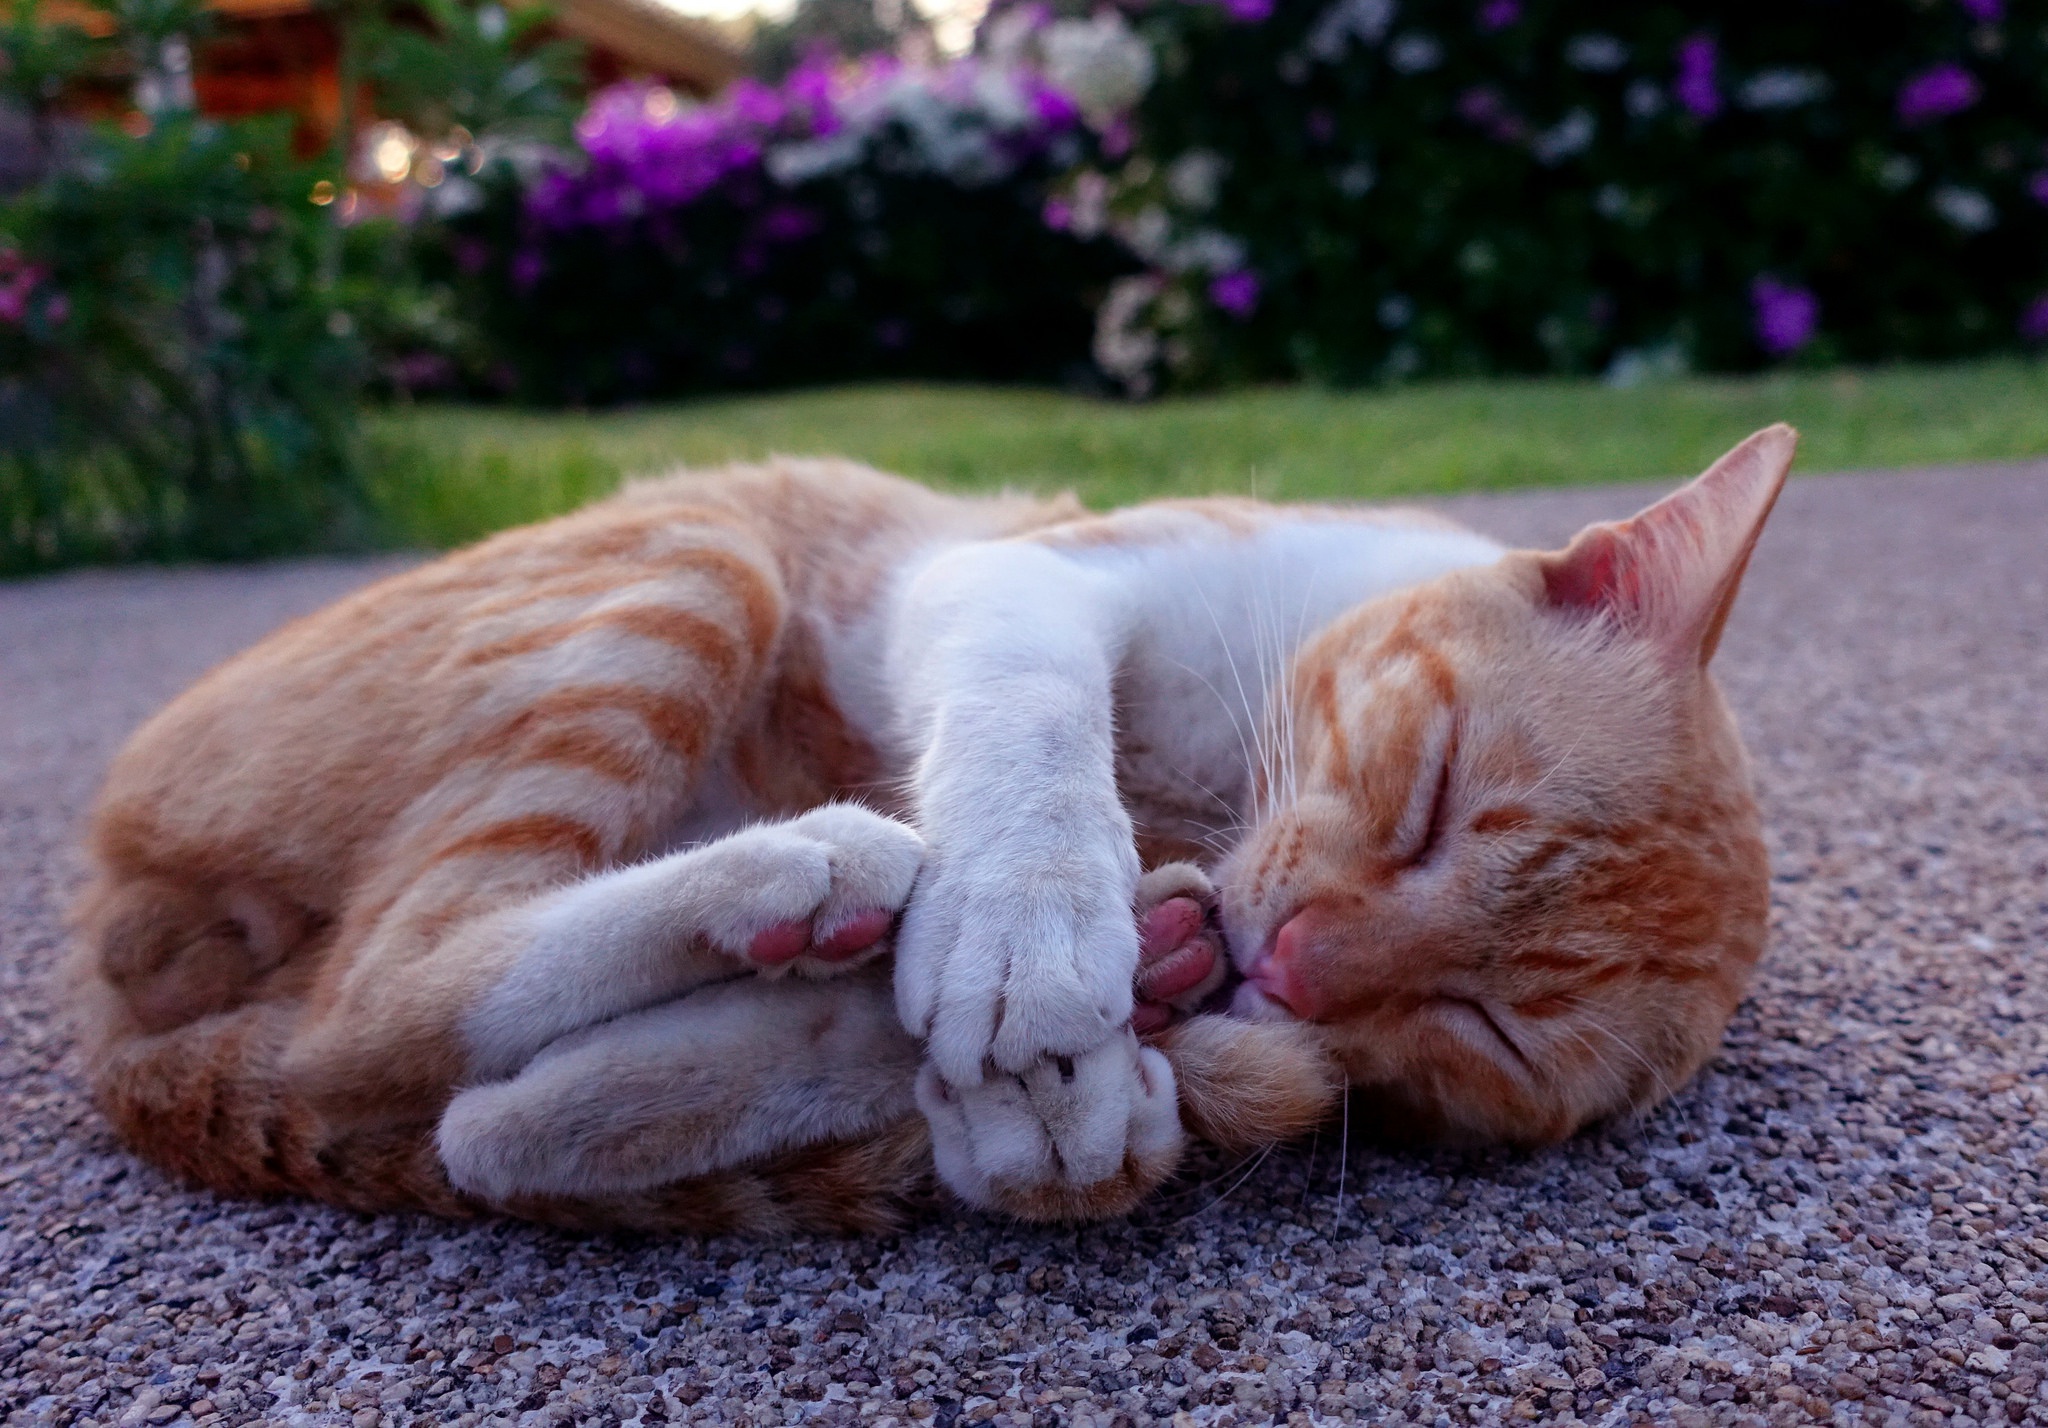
(173, 381)
(444, 474)
(38, 57)
(481, 68)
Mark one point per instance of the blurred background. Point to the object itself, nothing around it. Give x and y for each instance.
(294, 275)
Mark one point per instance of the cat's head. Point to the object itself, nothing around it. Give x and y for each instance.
(1511, 866)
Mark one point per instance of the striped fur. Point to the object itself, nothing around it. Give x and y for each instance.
(561, 876)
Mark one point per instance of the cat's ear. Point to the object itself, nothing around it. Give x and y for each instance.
(1670, 572)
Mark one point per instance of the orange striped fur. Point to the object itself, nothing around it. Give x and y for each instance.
(1495, 856)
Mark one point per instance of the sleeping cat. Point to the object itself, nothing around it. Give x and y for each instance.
(561, 875)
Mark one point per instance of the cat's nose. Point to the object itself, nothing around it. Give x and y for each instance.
(1280, 974)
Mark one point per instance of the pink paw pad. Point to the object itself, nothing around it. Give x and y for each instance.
(780, 942)
(786, 941)
(858, 933)
(1174, 957)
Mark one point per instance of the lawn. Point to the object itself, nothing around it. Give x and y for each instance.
(448, 474)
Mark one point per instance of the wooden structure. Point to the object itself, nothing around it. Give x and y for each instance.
(264, 56)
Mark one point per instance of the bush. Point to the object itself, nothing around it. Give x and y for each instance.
(859, 222)
(1351, 190)
(172, 382)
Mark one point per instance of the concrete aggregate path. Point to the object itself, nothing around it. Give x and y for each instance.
(1843, 1220)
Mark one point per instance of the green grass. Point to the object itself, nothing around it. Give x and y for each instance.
(449, 474)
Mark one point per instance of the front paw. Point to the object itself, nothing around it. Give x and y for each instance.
(1006, 961)
(1077, 1138)
(816, 895)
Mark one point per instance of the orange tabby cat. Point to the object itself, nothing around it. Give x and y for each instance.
(558, 876)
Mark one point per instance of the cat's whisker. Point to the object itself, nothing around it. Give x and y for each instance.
(1664, 1087)
(1562, 759)
(1244, 699)
(1235, 1187)
(1244, 746)
(1343, 1158)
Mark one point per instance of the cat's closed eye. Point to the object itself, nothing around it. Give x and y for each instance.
(1434, 823)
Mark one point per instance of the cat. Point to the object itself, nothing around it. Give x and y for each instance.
(739, 850)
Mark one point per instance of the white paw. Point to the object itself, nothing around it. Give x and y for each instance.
(1068, 1138)
(1007, 959)
(814, 895)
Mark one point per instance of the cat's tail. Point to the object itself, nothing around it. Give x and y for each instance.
(1245, 1085)
(184, 998)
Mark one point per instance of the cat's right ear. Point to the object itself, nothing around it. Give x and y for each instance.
(1670, 572)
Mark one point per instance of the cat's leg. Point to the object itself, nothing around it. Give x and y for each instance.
(724, 1077)
(1017, 957)
(812, 896)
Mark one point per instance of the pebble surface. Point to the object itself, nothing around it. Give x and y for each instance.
(1842, 1220)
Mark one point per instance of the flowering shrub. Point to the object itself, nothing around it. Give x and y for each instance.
(853, 221)
(1365, 189)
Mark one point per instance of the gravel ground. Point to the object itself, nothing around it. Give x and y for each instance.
(1842, 1219)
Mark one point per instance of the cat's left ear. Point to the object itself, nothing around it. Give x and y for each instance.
(1670, 572)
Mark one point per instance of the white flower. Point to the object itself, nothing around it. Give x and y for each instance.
(1611, 201)
(1782, 89)
(1091, 204)
(1194, 178)
(1363, 20)
(1571, 135)
(792, 164)
(1355, 180)
(1147, 232)
(1206, 251)
(1636, 366)
(1125, 347)
(1100, 62)
(1413, 54)
(1643, 99)
(1966, 208)
(1598, 53)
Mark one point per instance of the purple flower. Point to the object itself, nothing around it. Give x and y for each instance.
(56, 308)
(1499, 14)
(787, 223)
(1053, 107)
(1058, 214)
(1785, 315)
(2034, 321)
(1935, 93)
(1235, 292)
(1483, 107)
(1248, 12)
(1988, 11)
(2038, 187)
(527, 267)
(1695, 86)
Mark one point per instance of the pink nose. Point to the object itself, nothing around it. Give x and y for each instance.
(1280, 974)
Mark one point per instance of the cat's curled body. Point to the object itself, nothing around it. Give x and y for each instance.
(554, 876)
